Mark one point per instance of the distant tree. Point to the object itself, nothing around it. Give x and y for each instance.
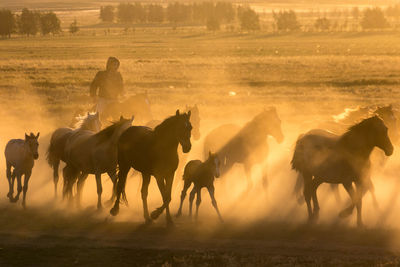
(125, 13)
(49, 23)
(7, 22)
(249, 20)
(155, 13)
(213, 23)
(107, 13)
(138, 13)
(286, 21)
(373, 18)
(322, 24)
(29, 22)
(224, 11)
(393, 11)
(177, 13)
(73, 27)
(355, 13)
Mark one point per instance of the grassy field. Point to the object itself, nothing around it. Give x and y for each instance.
(308, 77)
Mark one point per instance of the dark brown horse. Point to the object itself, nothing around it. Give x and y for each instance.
(248, 145)
(153, 153)
(322, 157)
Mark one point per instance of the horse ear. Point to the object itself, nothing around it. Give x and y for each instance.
(26, 136)
(37, 136)
(121, 118)
(189, 113)
(88, 113)
(133, 117)
(177, 112)
(209, 153)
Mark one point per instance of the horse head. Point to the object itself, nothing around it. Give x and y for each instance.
(214, 162)
(183, 130)
(89, 122)
(194, 120)
(270, 123)
(379, 134)
(386, 113)
(32, 144)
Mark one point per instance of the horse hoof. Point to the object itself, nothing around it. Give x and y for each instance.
(170, 224)
(155, 214)
(13, 200)
(179, 214)
(360, 225)
(345, 213)
(148, 221)
(114, 211)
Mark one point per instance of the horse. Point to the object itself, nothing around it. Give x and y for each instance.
(351, 116)
(323, 157)
(55, 151)
(201, 174)
(153, 153)
(87, 152)
(137, 105)
(20, 155)
(248, 145)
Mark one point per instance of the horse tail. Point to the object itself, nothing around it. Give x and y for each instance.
(297, 161)
(51, 155)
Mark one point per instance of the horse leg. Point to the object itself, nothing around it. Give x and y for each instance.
(349, 210)
(191, 198)
(214, 202)
(359, 195)
(10, 182)
(183, 195)
(198, 201)
(123, 172)
(113, 177)
(315, 183)
(297, 189)
(55, 176)
(99, 190)
(25, 188)
(19, 186)
(168, 191)
(145, 191)
(81, 182)
(247, 170)
(307, 194)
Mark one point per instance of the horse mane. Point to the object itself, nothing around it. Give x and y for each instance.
(363, 125)
(82, 120)
(165, 124)
(109, 131)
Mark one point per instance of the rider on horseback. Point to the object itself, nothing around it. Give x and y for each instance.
(109, 85)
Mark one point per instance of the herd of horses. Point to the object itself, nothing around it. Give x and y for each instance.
(338, 154)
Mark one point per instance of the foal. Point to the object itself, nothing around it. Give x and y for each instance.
(20, 154)
(201, 174)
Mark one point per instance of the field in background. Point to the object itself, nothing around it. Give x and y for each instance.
(231, 76)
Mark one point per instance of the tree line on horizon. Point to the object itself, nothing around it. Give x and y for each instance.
(209, 14)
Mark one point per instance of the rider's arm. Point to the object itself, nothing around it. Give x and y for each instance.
(120, 85)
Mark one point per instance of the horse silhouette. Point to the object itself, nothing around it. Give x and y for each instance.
(20, 155)
(201, 174)
(323, 157)
(55, 151)
(87, 152)
(153, 152)
(248, 145)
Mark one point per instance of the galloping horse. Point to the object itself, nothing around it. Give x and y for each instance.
(55, 152)
(321, 156)
(153, 152)
(248, 145)
(201, 174)
(20, 154)
(87, 152)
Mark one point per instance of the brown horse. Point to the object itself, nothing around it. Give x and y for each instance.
(248, 145)
(153, 152)
(322, 157)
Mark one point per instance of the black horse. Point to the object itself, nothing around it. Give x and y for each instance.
(153, 152)
(322, 157)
